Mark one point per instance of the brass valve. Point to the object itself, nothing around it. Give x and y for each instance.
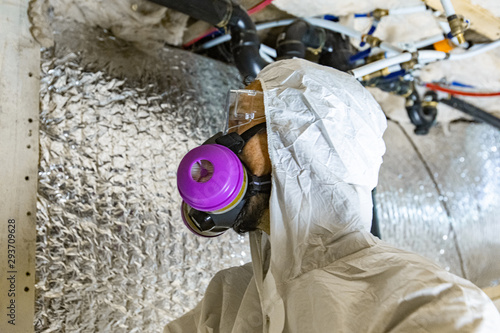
(371, 40)
(379, 13)
(457, 26)
(411, 63)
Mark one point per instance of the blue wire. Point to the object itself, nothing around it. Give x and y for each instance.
(458, 84)
(362, 15)
(394, 75)
(370, 32)
(359, 55)
(215, 33)
(372, 29)
(331, 18)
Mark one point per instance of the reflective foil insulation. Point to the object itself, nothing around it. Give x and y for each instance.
(112, 252)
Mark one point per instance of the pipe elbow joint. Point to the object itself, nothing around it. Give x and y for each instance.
(422, 113)
(245, 44)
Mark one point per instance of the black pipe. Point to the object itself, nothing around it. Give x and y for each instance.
(394, 85)
(290, 42)
(245, 44)
(336, 52)
(297, 38)
(422, 117)
(429, 107)
(223, 13)
(473, 111)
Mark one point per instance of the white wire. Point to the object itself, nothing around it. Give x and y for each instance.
(390, 48)
(378, 65)
(262, 26)
(444, 26)
(394, 68)
(215, 42)
(264, 55)
(408, 10)
(430, 56)
(448, 7)
(428, 41)
(333, 26)
(414, 46)
(475, 51)
(268, 25)
(268, 50)
(423, 58)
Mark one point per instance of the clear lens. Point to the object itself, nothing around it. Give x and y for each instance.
(243, 106)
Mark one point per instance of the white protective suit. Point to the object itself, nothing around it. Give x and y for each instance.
(321, 270)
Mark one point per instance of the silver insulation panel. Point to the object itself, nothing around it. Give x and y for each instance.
(465, 169)
(112, 252)
(439, 195)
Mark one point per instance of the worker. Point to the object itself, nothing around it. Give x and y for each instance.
(296, 168)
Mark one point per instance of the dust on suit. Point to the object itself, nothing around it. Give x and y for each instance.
(320, 270)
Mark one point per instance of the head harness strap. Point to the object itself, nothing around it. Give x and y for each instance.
(260, 184)
(236, 142)
(247, 135)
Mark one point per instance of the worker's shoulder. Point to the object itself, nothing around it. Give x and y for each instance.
(381, 261)
(244, 272)
(400, 280)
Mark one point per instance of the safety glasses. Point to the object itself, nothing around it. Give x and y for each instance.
(243, 107)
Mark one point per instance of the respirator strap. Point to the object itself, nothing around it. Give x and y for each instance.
(249, 133)
(236, 142)
(260, 184)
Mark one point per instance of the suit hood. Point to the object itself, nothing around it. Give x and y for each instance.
(325, 144)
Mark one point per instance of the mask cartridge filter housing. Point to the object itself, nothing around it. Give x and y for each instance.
(212, 182)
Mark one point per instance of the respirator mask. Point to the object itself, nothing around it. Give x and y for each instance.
(213, 182)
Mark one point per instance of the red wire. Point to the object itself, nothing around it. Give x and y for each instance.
(255, 9)
(433, 86)
(259, 7)
(191, 42)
